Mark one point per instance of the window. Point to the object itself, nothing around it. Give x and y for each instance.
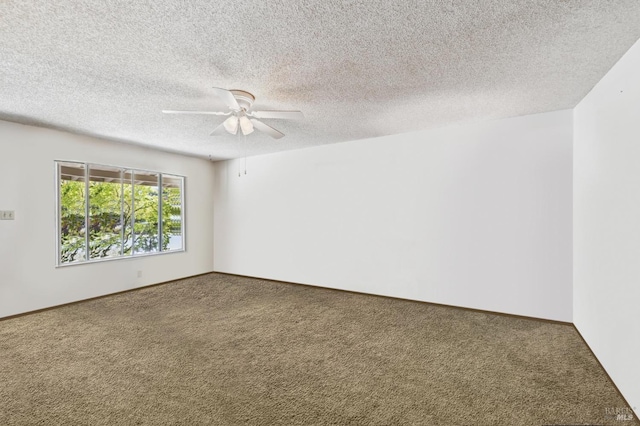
(109, 212)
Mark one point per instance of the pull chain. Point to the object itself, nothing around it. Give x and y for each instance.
(243, 151)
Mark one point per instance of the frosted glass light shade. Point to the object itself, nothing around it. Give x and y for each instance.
(246, 125)
(231, 124)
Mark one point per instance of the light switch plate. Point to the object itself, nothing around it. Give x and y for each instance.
(7, 215)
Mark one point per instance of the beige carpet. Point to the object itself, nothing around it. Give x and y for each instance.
(225, 350)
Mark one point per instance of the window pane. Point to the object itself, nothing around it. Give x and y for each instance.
(172, 213)
(145, 214)
(105, 212)
(72, 212)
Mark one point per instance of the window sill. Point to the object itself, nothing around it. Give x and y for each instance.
(111, 259)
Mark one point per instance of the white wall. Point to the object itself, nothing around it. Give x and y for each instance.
(607, 223)
(476, 216)
(29, 279)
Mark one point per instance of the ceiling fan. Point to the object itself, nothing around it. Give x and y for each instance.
(240, 114)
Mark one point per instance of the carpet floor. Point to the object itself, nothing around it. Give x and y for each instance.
(227, 350)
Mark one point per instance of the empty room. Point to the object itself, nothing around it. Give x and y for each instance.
(320, 212)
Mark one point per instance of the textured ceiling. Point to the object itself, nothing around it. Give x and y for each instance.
(357, 69)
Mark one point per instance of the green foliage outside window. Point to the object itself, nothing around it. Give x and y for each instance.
(72, 224)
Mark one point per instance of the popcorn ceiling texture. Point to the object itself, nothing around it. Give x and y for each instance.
(357, 69)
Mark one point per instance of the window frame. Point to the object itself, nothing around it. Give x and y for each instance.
(87, 168)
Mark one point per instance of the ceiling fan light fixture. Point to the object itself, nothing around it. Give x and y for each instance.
(246, 125)
(240, 114)
(231, 124)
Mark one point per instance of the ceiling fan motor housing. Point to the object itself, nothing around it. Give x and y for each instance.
(244, 99)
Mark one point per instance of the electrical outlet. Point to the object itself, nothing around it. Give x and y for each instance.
(7, 215)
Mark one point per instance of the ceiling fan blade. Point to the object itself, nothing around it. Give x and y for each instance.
(266, 129)
(219, 131)
(227, 97)
(287, 115)
(168, 111)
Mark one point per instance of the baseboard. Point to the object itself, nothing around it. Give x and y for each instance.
(605, 370)
(484, 311)
(99, 297)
